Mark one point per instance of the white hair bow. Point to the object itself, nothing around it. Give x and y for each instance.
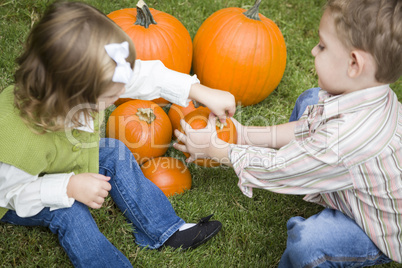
(119, 53)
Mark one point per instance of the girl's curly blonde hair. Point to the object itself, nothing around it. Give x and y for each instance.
(65, 65)
(374, 26)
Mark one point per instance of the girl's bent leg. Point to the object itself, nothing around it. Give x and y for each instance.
(308, 97)
(329, 239)
(78, 234)
(142, 202)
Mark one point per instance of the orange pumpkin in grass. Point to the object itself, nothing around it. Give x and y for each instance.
(156, 36)
(171, 175)
(240, 51)
(143, 127)
(198, 119)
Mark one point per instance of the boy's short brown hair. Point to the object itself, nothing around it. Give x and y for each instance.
(374, 26)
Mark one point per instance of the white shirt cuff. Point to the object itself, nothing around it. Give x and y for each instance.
(54, 191)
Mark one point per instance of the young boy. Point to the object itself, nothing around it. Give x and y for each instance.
(344, 152)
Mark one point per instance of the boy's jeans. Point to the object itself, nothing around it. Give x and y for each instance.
(144, 205)
(329, 238)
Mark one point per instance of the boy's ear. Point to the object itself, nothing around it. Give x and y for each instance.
(356, 63)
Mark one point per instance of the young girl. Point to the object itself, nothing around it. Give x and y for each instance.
(52, 168)
(344, 150)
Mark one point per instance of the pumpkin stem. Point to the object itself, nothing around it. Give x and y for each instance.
(252, 13)
(144, 16)
(146, 114)
(220, 125)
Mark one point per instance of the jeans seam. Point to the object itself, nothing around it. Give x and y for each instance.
(341, 259)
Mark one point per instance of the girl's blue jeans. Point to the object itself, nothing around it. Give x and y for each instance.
(143, 204)
(329, 238)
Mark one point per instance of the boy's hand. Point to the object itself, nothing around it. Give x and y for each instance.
(241, 132)
(202, 143)
(90, 189)
(221, 103)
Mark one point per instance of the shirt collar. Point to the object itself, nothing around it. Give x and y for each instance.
(354, 101)
(86, 125)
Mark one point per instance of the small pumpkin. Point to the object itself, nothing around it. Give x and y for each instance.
(156, 36)
(143, 127)
(226, 131)
(177, 113)
(240, 51)
(169, 174)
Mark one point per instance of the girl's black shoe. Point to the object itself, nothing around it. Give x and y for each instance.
(194, 236)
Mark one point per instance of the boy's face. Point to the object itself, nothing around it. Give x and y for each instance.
(112, 95)
(331, 58)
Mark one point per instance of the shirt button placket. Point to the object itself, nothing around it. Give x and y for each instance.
(77, 147)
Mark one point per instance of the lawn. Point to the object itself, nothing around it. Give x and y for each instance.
(254, 229)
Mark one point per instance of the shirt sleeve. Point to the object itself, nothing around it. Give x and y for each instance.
(152, 80)
(28, 194)
(307, 165)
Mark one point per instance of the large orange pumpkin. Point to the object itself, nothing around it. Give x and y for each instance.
(156, 36)
(240, 51)
(169, 174)
(143, 127)
(198, 119)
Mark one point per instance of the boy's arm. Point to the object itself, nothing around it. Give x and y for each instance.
(205, 144)
(269, 136)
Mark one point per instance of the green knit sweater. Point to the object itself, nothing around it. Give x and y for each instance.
(38, 154)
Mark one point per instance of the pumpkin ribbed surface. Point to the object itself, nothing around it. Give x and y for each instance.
(143, 127)
(167, 40)
(236, 53)
(169, 174)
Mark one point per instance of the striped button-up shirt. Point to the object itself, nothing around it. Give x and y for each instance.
(346, 155)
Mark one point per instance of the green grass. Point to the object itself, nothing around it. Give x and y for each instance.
(254, 230)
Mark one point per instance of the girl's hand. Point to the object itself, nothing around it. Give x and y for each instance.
(202, 143)
(90, 189)
(221, 103)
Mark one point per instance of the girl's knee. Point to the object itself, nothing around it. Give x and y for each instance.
(113, 149)
(73, 217)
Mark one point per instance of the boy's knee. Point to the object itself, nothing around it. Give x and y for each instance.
(307, 240)
(301, 237)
